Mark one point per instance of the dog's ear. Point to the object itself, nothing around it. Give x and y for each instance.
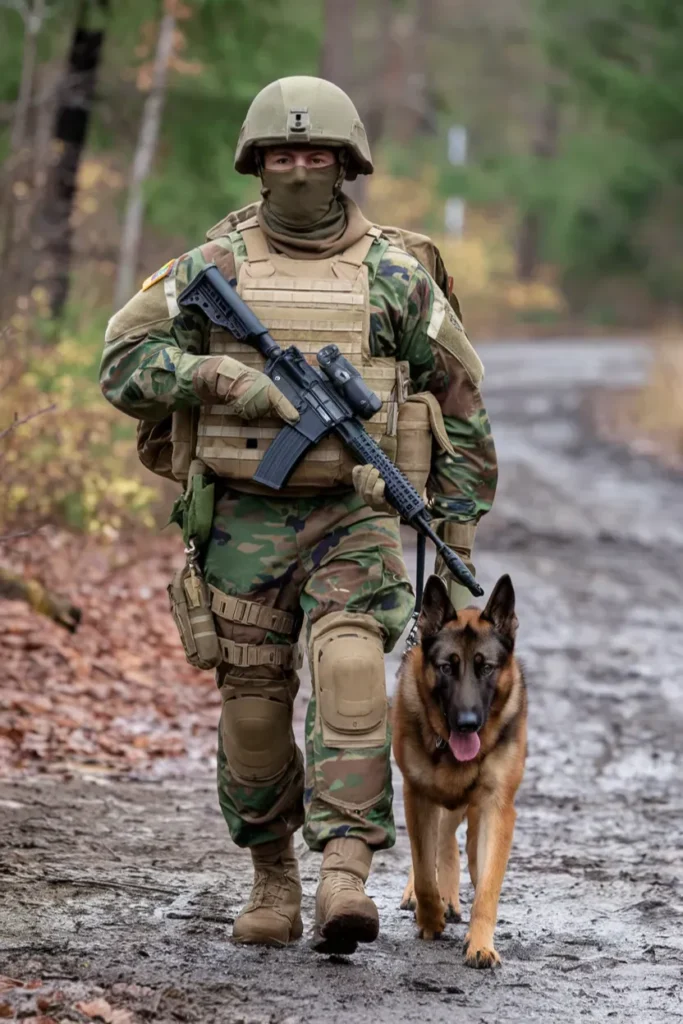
(436, 609)
(500, 610)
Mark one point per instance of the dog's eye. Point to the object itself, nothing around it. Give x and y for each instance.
(446, 668)
(485, 668)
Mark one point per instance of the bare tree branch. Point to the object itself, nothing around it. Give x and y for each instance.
(20, 533)
(16, 422)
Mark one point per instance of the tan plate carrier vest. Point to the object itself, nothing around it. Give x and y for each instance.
(310, 304)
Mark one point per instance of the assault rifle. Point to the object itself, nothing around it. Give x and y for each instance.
(328, 400)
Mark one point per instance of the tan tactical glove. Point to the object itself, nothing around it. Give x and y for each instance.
(460, 538)
(370, 486)
(244, 391)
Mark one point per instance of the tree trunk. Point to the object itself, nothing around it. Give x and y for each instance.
(530, 233)
(52, 234)
(142, 162)
(336, 63)
(33, 22)
(337, 49)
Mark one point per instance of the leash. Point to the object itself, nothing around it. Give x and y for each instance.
(411, 639)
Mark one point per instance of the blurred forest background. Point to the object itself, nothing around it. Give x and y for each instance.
(538, 141)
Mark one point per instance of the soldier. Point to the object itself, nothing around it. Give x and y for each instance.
(326, 551)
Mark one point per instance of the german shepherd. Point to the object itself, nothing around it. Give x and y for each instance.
(459, 726)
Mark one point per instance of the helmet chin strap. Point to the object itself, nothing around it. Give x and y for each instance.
(343, 161)
(258, 160)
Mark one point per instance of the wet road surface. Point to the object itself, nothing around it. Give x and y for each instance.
(128, 888)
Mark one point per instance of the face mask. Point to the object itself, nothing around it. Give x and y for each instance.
(301, 197)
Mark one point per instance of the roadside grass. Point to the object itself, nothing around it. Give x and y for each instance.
(658, 407)
(648, 419)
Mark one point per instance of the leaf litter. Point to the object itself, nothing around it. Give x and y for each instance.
(118, 695)
(38, 1002)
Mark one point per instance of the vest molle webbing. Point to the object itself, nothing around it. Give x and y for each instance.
(310, 304)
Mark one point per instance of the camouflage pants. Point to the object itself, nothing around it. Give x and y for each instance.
(310, 557)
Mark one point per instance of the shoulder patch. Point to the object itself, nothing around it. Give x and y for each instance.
(159, 274)
(397, 262)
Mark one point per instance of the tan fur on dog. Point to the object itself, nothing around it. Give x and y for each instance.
(449, 672)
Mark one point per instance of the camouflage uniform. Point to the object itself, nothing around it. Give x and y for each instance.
(312, 556)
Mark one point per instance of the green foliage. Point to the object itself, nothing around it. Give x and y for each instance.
(609, 197)
(236, 49)
(621, 70)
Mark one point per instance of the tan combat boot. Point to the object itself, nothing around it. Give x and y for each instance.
(272, 916)
(344, 915)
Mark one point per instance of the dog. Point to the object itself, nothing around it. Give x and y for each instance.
(459, 738)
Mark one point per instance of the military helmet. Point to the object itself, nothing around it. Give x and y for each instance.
(304, 110)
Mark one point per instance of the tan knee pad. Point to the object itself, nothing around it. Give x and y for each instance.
(256, 728)
(347, 664)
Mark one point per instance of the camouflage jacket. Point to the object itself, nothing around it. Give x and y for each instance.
(152, 351)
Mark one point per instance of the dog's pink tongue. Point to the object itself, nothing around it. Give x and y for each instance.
(465, 746)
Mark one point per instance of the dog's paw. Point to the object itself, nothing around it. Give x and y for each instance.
(453, 913)
(408, 901)
(431, 921)
(480, 957)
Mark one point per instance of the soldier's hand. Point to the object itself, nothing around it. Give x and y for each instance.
(246, 392)
(370, 486)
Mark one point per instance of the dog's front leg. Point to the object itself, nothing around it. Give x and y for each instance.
(448, 862)
(422, 818)
(494, 839)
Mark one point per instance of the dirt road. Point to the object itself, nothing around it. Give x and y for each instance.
(126, 889)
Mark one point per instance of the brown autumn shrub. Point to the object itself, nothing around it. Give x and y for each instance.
(65, 455)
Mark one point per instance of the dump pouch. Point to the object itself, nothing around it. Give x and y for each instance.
(193, 510)
(191, 609)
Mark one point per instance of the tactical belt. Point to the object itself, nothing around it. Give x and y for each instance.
(249, 613)
(252, 655)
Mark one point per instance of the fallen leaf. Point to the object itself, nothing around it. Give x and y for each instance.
(96, 1008)
(6, 983)
(51, 1001)
(122, 1017)
(6, 1010)
(93, 702)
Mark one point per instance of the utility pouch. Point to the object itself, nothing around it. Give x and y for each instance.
(191, 609)
(420, 428)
